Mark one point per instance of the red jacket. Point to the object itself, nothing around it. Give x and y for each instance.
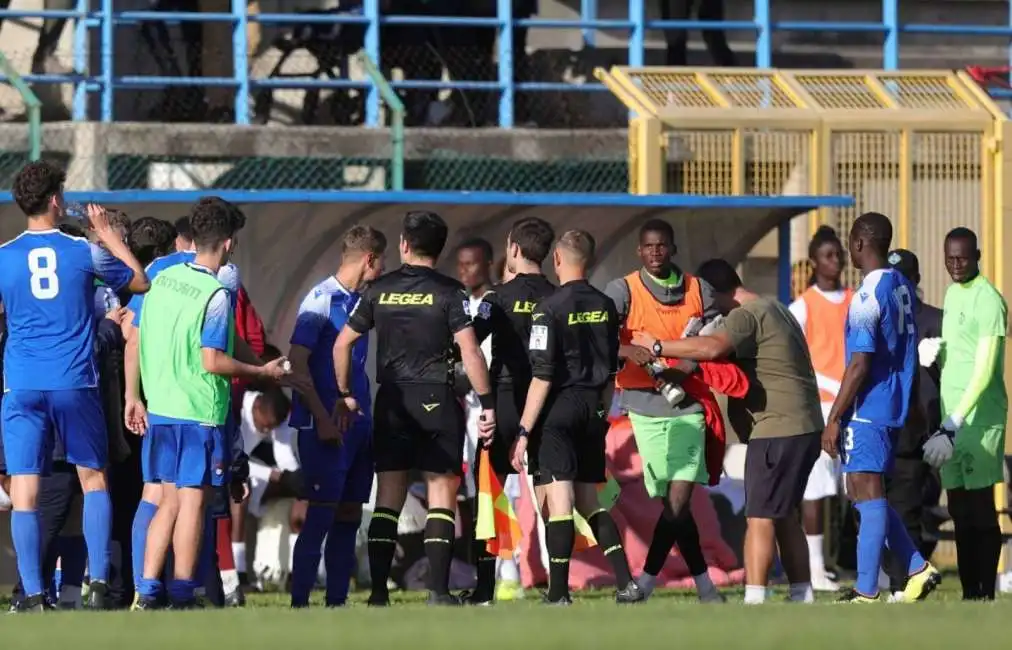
(250, 328)
(724, 377)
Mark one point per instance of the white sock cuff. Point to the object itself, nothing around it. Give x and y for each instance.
(239, 554)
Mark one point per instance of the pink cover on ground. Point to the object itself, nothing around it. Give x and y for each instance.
(635, 515)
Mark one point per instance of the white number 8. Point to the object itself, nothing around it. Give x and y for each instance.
(42, 264)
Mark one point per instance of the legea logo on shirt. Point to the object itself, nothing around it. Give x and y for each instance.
(408, 299)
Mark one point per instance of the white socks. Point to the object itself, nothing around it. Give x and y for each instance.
(801, 592)
(755, 594)
(239, 553)
(230, 581)
(816, 558)
(509, 571)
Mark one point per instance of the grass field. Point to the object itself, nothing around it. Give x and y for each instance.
(671, 619)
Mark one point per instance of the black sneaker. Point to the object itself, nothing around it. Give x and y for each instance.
(30, 605)
(477, 598)
(147, 604)
(378, 600)
(97, 596)
(193, 603)
(443, 600)
(235, 599)
(564, 601)
(630, 594)
(853, 596)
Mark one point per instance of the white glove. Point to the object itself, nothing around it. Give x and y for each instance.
(927, 351)
(712, 326)
(938, 448)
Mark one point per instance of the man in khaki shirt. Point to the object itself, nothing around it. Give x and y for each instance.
(780, 418)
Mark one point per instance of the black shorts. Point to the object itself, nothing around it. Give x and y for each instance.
(418, 426)
(509, 406)
(570, 444)
(776, 473)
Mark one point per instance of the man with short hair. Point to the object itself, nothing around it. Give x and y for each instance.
(338, 469)
(573, 351)
(780, 418)
(185, 351)
(47, 286)
(661, 300)
(970, 445)
(418, 315)
(184, 235)
(872, 404)
(503, 320)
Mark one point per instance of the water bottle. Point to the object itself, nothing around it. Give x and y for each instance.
(673, 393)
(76, 211)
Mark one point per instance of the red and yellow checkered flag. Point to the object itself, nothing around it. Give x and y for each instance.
(497, 523)
(607, 494)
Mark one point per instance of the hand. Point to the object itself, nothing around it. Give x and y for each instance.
(831, 439)
(639, 355)
(330, 433)
(643, 340)
(928, 351)
(486, 426)
(238, 490)
(116, 314)
(275, 369)
(939, 447)
(345, 411)
(519, 455)
(135, 416)
(98, 222)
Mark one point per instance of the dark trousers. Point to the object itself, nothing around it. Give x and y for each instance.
(905, 494)
(125, 486)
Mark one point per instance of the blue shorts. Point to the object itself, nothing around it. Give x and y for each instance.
(33, 418)
(187, 455)
(867, 448)
(337, 474)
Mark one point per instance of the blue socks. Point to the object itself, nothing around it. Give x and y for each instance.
(339, 560)
(182, 591)
(139, 538)
(871, 537)
(902, 547)
(98, 533)
(27, 535)
(308, 549)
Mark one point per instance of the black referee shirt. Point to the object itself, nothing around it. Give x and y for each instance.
(505, 314)
(415, 311)
(574, 337)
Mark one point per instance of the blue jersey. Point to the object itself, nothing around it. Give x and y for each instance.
(228, 275)
(47, 285)
(322, 315)
(881, 323)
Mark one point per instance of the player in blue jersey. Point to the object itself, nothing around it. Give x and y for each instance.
(135, 413)
(872, 406)
(47, 285)
(338, 472)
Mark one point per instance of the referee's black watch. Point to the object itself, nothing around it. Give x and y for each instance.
(344, 394)
(522, 432)
(657, 349)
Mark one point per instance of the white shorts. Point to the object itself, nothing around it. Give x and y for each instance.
(824, 480)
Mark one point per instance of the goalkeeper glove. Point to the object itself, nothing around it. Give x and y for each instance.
(939, 447)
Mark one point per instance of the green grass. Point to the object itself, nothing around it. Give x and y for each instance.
(670, 620)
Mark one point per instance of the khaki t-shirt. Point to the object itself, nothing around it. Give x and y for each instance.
(783, 399)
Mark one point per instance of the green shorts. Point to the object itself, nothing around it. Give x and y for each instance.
(672, 449)
(977, 459)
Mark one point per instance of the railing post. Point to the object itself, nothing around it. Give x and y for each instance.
(504, 13)
(891, 41)
(240, 61)
(764, 34)
(637, 35)
(588, 13)
(108, 32)
(371, 10)
(82, 66)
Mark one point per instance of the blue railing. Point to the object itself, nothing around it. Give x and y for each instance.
(106, 82)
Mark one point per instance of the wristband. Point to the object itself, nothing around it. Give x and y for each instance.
(523, 432)
(487, 401)
(343, 393)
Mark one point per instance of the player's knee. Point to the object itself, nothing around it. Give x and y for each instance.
(297, 515)
(92, 480)
(391, 490)
(152, 493)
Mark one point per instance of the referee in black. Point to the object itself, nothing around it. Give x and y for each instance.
(505, 314)
(573, 351)
(418, 423)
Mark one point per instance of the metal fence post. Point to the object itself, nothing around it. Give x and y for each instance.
(637, 35)
(504, 13)
(371, 10)
(891, 41)
(240, 61)
(79, 108)
(108, 58)
(588, 13)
